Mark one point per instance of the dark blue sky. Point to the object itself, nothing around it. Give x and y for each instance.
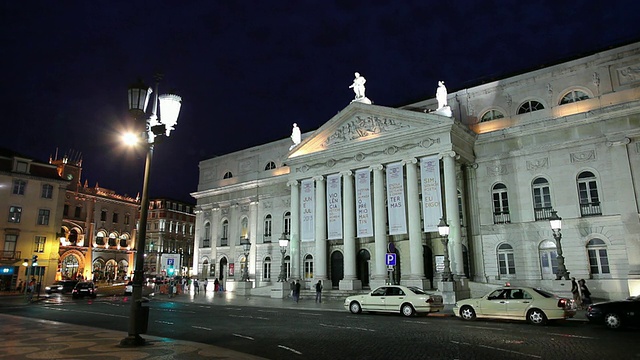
(247, 70)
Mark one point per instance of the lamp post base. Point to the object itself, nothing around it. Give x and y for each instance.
(133, 340)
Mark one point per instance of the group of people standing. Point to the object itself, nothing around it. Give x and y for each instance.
(581, 293)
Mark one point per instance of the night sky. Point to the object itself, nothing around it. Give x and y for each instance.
(247, 70)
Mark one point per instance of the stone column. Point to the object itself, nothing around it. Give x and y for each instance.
(350, 281)
(379, 227)
(234, 242)
(294, 237)
(453, 217)
(320, 271)
(253, 237)
(215, 239)
(416, 277)
(197, 245)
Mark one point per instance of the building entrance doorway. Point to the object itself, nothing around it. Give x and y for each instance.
(363, 263)
(337, 268)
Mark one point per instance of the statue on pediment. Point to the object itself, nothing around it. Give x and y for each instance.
(441, 95)
(296, 136)
(359, 89)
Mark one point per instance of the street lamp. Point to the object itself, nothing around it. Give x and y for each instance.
(283, 242)
(155, 129)
(443, 229)
(246, 247)
(556, 225)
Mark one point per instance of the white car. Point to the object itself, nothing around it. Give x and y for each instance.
(128, 288)
(516, 303)
(407, 300)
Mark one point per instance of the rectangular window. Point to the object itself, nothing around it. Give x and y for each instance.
(66, 210)
(10, 241)
(40, 242)
(22, 167)
(103, 215)
(77, 212)
(266, 272)
(15, 213)
(115, 218)
(43, 217)
(127, 218)
(47, 191)
(19, 186)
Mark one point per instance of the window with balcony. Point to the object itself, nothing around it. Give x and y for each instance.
(548, 259)
(15, 214)
(9, 249)
(47, 191)
(588, 194)
(224, 239)
(500, 204)
(541, 199)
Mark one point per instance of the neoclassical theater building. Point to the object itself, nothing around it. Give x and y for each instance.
(493, 161)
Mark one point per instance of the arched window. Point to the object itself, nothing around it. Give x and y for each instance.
(244, 229)
(287, 266)
(598, 258)
(548, 259)
(270, 166)
(206, 242)
(267, 228)
(224, 239)
(266, 269)
(506, 262)
(100, 237)
(308, 267)
(530, 106)
(500, 204)
(491, 115)
(287, 223)
(227, 175)
(574, 96)
(124, 240)
(541, 198)
(112, 239)
(588, 194)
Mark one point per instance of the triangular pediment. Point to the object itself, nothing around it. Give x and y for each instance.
(358, 123)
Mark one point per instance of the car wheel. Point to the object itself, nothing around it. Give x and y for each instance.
(355, 307)
(536, 317)
(407, 310)
(613, 321)
(467, 313)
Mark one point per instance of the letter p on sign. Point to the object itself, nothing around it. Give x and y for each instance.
(391, 259)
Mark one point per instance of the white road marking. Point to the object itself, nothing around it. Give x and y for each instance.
(200, 327)
(86, 312)
(164, 322)
(573, 336)
(483, 327)
(290, 349)
(346, 327)
(242, 336)
(249, 317)
(267, 311)
(312, 314)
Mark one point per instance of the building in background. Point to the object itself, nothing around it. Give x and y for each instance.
(170, 238)
(32, 195)
(98, 227)
(494, 160)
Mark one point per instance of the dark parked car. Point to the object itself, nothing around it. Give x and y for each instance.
(616, 314)
(61, 286)
(83, 289)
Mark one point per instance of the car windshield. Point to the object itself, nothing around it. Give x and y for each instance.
(416, 290)
(84, 285)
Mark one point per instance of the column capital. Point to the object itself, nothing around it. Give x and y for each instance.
(346, 173)
(318, 178)
(293, 183)
(409, 161)
(378, 167)
(451, 153)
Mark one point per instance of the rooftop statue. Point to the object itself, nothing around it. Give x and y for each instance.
(441, 95)
(359, 89)
(296, 136)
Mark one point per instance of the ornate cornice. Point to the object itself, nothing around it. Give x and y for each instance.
(363, 127)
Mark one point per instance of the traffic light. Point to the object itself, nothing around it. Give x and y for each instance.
(34, 260)
(170, 270)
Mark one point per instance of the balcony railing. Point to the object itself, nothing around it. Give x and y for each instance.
(590, 209)
(11, 255)
(543, 213)
(224, 242)
(206, 243)
(266, 238)
(501, 217)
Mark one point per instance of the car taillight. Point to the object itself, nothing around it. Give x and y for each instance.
(430, 300)
(562, 303)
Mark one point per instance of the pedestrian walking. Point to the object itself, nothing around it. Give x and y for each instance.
(575, 290)
(584, 291)
(292, 288)
(19, 287)
(205, 285)
(216, 285)
(196, 286)
(319, 291)
(296, 291)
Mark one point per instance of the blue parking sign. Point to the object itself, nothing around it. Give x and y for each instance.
(390, 259)
(169, 261)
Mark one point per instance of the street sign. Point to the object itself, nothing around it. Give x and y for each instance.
(390, 259)
(169, 261)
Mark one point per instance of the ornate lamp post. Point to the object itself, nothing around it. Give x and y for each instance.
(155, 129)
(443, 229)
(283, 242)
(246, 247)
(556, 225)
